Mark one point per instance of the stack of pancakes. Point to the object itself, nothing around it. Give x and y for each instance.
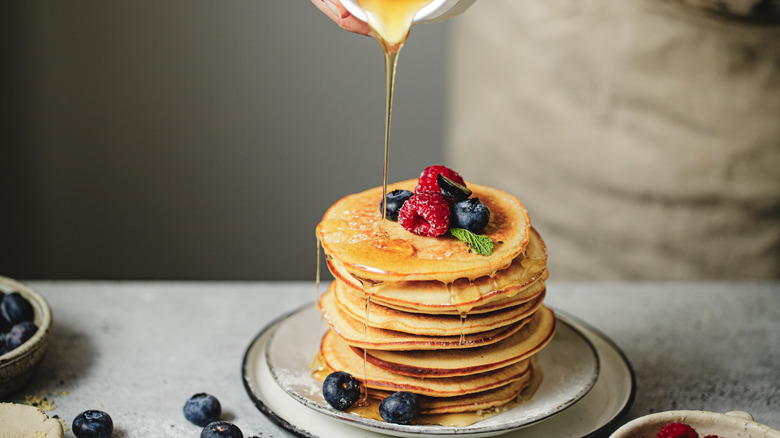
(427, 314)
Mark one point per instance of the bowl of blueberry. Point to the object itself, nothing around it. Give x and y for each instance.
(25, 323)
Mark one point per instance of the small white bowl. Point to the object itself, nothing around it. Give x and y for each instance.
(731, 424)
(17, 365)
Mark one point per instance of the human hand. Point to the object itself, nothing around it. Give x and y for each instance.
(339, 14)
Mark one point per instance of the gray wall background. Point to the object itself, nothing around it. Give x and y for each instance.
(195, 140)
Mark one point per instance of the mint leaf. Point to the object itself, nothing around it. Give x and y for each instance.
(481, 244)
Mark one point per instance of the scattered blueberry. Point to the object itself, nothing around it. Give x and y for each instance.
(395, 200)
(20, 333)
(452, 188)
(400, 407)
(202, 409)
(15, 309)
(93, 424)
(221, 429)
(341, 390)
(470, 214)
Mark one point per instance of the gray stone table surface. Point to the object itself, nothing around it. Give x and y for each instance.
(138, 350)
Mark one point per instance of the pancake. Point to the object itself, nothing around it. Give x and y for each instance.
(430, 298)
(353, 303)
(355, 332)
(447, 363)
(524, 295)
(462, 295)
(338, 356)
(479, 401)
(349, 228)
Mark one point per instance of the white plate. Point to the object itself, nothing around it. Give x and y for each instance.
(569, 366)
(300, 408)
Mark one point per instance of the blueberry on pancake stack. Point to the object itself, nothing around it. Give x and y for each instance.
(441, 298)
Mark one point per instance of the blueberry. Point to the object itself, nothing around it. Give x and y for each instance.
(4, 325)
(20, 333)
(452, 188)
(221, 429)
(400, 407)
(395, 200)
(341, 390)
(202, 409)
(470, 214)
(93, 424)
(4, 347)
(15, 309)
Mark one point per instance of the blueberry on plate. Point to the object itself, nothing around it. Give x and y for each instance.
(341, 390)
(20, 333)
(395, 200)
(15, 309)
(453, 189)
(470, 214)
(400, 407)
(221, 429)
(92, 424)
(202, 409)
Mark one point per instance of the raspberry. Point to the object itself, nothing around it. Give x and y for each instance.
(677, 430)
(425, 214)
(428, 183)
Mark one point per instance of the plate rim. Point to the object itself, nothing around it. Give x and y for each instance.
(269, 328)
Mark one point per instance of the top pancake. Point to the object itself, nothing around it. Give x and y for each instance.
(349, 228)
(506, 288)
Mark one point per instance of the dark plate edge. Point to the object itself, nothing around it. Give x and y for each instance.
(265, 410)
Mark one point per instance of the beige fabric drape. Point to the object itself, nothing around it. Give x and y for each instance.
(643, 136)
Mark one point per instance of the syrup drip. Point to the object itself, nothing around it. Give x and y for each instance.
(455, 300)
(462, 328)
(532, 264)
(317, 299)
(462, 297)
(317, 274)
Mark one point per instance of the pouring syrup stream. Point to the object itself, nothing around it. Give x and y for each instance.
(390, 21)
